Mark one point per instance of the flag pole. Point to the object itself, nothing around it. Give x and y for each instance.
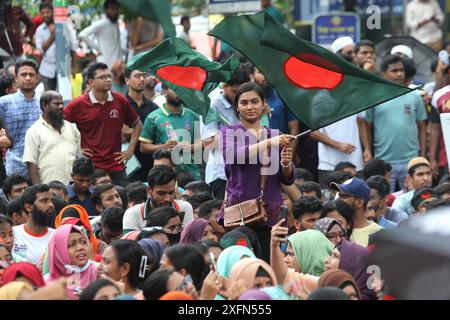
(303, 133)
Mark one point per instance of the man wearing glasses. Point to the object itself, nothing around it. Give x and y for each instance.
(135, 81)
(100, 115)
(356, 193)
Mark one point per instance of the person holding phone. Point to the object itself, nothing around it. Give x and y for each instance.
(243, 146)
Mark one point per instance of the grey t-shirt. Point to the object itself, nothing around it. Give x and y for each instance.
(148, 31)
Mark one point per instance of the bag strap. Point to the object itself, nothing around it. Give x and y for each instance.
(265, 166)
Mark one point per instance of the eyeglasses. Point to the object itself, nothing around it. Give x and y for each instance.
(174, 229)
(139, 75)
(105, 77)
(335, 235)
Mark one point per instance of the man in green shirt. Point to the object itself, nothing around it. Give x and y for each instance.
(158, 126)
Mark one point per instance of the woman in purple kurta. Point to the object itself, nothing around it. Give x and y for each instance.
(242, 147)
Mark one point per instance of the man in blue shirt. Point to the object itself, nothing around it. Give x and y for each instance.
(79, 190)
(19, 111)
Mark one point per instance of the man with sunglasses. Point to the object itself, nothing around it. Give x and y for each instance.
(100, 115)
(135, 81)
(356, 193)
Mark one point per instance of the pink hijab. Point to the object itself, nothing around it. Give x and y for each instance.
(59, 261)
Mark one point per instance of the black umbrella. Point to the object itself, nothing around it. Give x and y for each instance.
(422, 55)
(415, 259)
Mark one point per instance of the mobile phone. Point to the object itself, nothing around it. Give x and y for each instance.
(283, 215)
(213, 265)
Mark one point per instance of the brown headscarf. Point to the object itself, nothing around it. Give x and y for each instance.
(337, 278)
(247, 268)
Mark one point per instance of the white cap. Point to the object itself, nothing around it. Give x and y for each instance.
(402, 49)
(340, 43)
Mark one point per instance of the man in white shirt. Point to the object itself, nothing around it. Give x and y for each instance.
(45, 43)
(341, 142)
(161, 193)
(51, 143)
(184, 32)
(31, 239)
(107, 33)
(424, 20)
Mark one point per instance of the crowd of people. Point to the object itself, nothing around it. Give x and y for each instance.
(76, 224)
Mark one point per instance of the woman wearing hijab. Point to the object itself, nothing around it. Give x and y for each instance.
(256, 273)
(230, 256)
(24, 272)
(16, 290)
(197, 230)
(67, 215)
(156, 249)
(353, 258)
(68, 256)
(299, 271)
(254, 294)
(331, 229)
(235, 238)
(342, 280)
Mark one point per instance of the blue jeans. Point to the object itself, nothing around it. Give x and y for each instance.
(398, 174)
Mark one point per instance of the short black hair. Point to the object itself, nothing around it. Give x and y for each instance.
(184, 18)
(14, 206)
(127, 73)
(160, 216)
(137, 194)
(310, 186)
(59, 203)
(30, 194)
(84, 83)
(380, 184)
(3, 206)
(306, 205)
(156, 284)
(412, 170)
(160, 175)
(112, 218)
(198, 199)
(123, 195)
(47, 97)
(98, 173)
(92, 69)
(109, 3)
(162, 154)
(302, 173)
(344, 165)
(83, 166)
(5, 219)
(340, 206)
(363, 42)
(184, 178)
(25, 63)
(376, 167)
(442, 189)
(207, 208)
(13, 180)
(46, 5)
(410, 68)
(445, 179)
(58, 185)
(98, 191)
(197, 186)
(6, 82)
(93, 288)
(128, 251)
(239, 76)
(388, 60)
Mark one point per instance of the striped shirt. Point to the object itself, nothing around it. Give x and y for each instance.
(19, 114)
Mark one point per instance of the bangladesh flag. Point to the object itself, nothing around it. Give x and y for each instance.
(191, 75)
(318, 86)
(154, 10)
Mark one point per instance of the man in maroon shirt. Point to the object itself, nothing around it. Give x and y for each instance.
(10, 18)
(99, 115)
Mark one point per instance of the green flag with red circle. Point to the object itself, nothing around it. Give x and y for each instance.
(187, 72)
(318, 86)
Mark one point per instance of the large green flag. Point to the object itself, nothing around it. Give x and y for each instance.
(318, 86)
(154, 10)
(190, 74)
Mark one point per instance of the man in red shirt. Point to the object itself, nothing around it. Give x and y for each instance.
(99, 115)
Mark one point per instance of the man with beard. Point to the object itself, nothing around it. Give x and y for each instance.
(364, 55)
(343, 46)
(19, 111)
(106, 33)
(51, 143)
(100, 115)
(179, 122)
(356, 193)
(31, 239)
(135, 81)
(45, 43)
(161, 193)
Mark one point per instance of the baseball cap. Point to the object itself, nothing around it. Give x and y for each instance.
(340, 43)
(416, 161)
(355, 187)
(402, 49)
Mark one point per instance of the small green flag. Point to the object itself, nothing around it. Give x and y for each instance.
(318, 86)
(191, 75)
(154, 10)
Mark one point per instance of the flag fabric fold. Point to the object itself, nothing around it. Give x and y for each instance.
(318, 86)
(188, 73)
